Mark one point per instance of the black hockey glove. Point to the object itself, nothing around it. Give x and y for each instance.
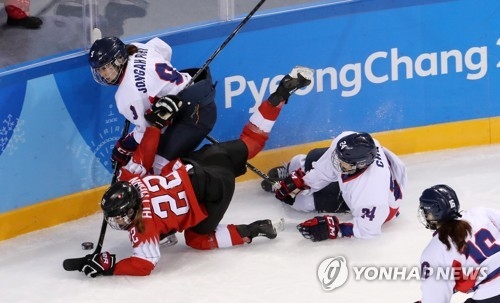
(320, 228)
(290, 187)
(99, 264)
(123, 150)
(163, 110)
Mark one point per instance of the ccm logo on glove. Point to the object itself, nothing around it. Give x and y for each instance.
(99, 264)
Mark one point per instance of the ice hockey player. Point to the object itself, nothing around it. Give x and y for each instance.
(191, 194)
(354, 174)
(466, 242)
(144, 75)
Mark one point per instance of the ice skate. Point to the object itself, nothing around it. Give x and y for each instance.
(279, 225)
(299, 77)
(261, 228)
(169, 239)
(277, 174)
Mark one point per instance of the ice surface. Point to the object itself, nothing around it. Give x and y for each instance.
(280, 270)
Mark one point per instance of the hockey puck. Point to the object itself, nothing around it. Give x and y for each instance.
(87, 245)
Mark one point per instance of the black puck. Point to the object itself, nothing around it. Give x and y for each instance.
(87, 245)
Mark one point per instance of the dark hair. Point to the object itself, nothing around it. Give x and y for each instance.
(138, 222)
(457, 231)
(131, 49)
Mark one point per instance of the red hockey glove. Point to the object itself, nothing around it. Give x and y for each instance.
(123, 150)
(320, 228)
(163, 110)
(99, 264)
(291, 186)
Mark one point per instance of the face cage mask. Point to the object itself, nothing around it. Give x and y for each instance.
(427, 219)
(344, 167)
(110, 73)
(121, 222)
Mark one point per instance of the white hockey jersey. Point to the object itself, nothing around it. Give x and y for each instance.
(372, 195)
(149, 74)
(482, 257)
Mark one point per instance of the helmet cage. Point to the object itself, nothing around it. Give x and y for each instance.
(121, 204)
(122, 222)
(427, 219)
(110, 73)
(348, 168)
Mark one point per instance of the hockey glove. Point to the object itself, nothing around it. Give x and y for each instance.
(291, 186)
(163, 110)
(320, 228)
(123, 150)
(99, 264)
(131, 170)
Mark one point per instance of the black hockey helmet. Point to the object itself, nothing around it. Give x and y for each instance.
(438, 203)
(120, 204)
(354, 152)
(107, 59)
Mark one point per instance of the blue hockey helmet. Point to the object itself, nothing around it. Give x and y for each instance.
(108, 58)
(354, 152)
(120, 205)
(438, 203)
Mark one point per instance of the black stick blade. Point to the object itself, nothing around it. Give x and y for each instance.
(73, 264)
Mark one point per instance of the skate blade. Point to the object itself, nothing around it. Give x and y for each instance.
(279, 225)
(169, 241)
(306, 72)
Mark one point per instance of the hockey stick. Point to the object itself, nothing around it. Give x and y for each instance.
(229, 38)
(77, 263)
(212, 57)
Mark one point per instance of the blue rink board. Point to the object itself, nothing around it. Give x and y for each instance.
(379, 66)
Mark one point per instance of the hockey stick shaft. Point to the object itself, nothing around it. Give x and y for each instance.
(212, 57)
(250, 166)
(113, 180)
(77, 263)
(229, 38)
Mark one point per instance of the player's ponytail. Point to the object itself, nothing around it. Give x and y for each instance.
(131, 49)
(138, 222)
(457, 231)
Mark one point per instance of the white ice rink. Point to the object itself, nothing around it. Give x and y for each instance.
(280, 270)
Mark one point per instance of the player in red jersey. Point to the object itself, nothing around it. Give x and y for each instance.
(191, 194)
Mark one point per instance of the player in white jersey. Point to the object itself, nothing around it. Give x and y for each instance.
(355, 170)
(144, 75)
(465, 244)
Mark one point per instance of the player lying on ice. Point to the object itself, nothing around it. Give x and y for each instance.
(354, 174)
(191, 194)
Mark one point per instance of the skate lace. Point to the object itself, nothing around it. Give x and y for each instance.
(282, 172)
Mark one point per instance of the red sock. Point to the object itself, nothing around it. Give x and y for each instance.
(268, 111)
(15, 12)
